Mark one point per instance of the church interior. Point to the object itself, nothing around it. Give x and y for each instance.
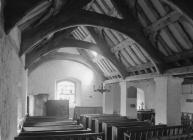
(96, 69)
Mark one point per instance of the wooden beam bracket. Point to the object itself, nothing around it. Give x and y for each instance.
(163, 22)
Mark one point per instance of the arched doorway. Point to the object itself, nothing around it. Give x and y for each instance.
(140, 99)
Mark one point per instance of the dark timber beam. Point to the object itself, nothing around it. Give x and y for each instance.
(179, 56)
(57, 43)
(15, 11)
(127, 11)
(184, 5)
(73, 18)
(64, 56)
(85, 55)
(107, 52)
(1, 18)
(140, 67)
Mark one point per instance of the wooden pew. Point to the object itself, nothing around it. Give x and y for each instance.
(84, 119)
(107, 126)
(87, 118)
(111, 133)
(85, 136)
(44, 119)
(54, 123)
(99, 121)
(175, 137)
(41, 130)
(91, 119)
(52, 128)
(79, 110)
(147, 133)
(43, 133)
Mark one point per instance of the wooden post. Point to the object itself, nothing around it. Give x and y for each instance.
(1, 19)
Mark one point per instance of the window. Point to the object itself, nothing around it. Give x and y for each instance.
(65, 90)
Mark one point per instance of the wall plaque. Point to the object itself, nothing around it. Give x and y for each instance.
(189, 100)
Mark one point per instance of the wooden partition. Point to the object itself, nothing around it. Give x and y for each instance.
(155, 132)
(79, 110)
(85, 136)
(58, 108)
(187, 119)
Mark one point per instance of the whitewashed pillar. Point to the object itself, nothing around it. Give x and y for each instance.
(123, 87)
(128, 100)
(167, 100)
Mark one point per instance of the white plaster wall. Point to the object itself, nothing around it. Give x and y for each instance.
(187, 93)
(13, 81)
(112, 99)
(43, 79)
(161, 100)
(186, 106)
(173, 101)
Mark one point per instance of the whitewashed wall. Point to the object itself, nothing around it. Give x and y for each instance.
(43, 80)
(13, 84)
(187, 93)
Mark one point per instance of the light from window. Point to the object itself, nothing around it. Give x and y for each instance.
(65, 90)
(94, 53)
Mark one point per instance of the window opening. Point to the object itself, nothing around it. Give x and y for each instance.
(65, 90)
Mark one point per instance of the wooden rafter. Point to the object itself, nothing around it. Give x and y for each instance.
(1, 18)
(64, 56)
(87, 57)
(103, 46)
(184, 5)
(57, 43)
(179, 56)
(122, 45)
(163, 22)
(93, 38)
(15, 11)
(141, 67)
(65, 20)
(128, 14)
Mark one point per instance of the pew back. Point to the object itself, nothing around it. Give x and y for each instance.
(149, 133)
(85, 136)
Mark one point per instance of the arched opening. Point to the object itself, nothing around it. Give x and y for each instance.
(66, 90)
(140, 99)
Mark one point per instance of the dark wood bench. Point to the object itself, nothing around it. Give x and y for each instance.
(91, 119)
(147, 133)
(79, 110)
(45, 119)
(99, 121)
(85, 136)
(175, 137)
(52, 128)
(87, 118)
(107, 126)
(84, 119)
(56, 130)
(55, 123)
(44, 133)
